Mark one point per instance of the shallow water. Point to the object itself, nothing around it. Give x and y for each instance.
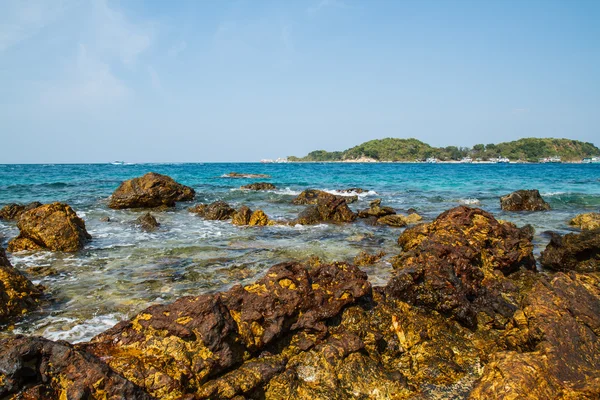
(123, 269)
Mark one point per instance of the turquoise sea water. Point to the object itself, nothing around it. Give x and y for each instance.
(123, 269)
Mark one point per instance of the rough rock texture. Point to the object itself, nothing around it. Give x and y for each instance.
(37, 368)
(524, 200)
(51, 226)
(248, 176)
(217, 211)
(210, 334)
(375, 210)
(562, 316)
(13, 211)
(313, 196)
(258, 218)
(17, 294)
(587, 221)
(259, 186)
(364, 259)
(147, 222)
(395, 220)
(577, 252)
(242, 216)
(148, 191)
(454, 264)
(327, 209)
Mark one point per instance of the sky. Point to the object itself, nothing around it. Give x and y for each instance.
(217, 80)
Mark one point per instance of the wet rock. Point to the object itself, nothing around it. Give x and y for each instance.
(37, 368)
(412, 218)
(356, 190)
(394, 220)
(562, 314)
(313, 196)
(149, 191)
(259, 186)
(248, 176)
(245, 216)
(104, 219)
(147, 222)
(41, 271)
(258, 218)
(455, 264)
(242, 216)
(210, 334)
(587, 221)
(573, 252)
(13, 211)
(53, 226)
(375, 210)
(327, 209)
(524, 200)
(17, 294)
(364, 259)
(217, 211)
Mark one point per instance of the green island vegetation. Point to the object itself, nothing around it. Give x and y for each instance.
(393, 149)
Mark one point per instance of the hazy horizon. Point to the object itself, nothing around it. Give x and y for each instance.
(94, 81)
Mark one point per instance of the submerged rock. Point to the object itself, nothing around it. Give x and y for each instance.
(375, 210)
(248, 176)
(259, 186)
(587, 221)
(149, 191)
(13, 211)
(364, 259)
(313, 196)
(327, 209)
(398, 220)
(573, 252)
(17, 294)
(217, 211)
(451, 265)
(524, 200)
(53, 226)
(147, 222)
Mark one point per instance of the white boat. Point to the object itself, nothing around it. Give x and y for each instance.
(591, 160)
(503, 160)
(431, 160)
(466, 160)
(118, 163)
(553, 159)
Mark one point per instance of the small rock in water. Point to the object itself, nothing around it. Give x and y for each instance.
(148, 222)
(150, 191)
(248, 176)
(524, 200)
(41, 271)
(573, 252)
(588, 221)
(12, 212)
(217, 211)
(375, 210)
(104, 219)
(259, 186)
(364, 258)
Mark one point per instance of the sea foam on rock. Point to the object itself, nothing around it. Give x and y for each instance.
(149, 191)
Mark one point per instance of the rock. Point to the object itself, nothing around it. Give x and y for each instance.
(149, 191)
(587, 221)
(258, 218)
(451, 265)
(259, 186)
(53, 226)
(12, 212)
(104, 219)
(412, 218)
(563, 321)
(312, 196)
(356, 190)
(37, 368)
(242, 216)
(524, 200)
(211, 334)
(375, 210)
(394, 220)
(147, 222)
(217, 211)
(327, 209)
(17, 294)
(364, 259)
(573, 252)
(41, 271)
(248, 176)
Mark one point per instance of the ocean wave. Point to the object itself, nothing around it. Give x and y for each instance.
(469, 201)
(80, 331)
(550, 194)
(338, 192)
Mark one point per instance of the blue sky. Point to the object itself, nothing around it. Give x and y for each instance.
(210, 80)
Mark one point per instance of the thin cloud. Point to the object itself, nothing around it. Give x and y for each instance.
(325, 4)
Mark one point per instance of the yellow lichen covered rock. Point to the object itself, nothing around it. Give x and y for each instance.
(587, 221)
(17, 294)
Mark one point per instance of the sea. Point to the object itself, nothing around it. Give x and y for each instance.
(124, 269)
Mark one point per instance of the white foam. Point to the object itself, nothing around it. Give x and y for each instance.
(352, 193)
(83, 331)
(550, 194)
(469, 201)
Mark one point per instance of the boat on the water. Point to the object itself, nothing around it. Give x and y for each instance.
(466, 160)
(503, 160)
(118, 163)
(431, 160)
(591, 160)
(553, 159)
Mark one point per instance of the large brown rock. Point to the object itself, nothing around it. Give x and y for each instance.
(53, 226)
(524, 200)
(259, 186)
(217, 211)
(327, 209)
(37, 368)
(148, 191)
(453, 264)
(586, 222)
(17, 294)
(573, 252)
(313, 196)
(13, 211)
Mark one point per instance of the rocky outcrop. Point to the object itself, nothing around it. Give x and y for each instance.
(524, 200)
(259, 186)
(375, 210)
(147, 222)
(313, 196)
(149, 191)
(210, 334)
(259, 218)
(53, 226)
(364, 258)
(12, 212)
(454, 265)
(217, 211)
(37, 368)
(245, 216)
(17, 294)
(247, 176)
(573, 252)
(586, 222)
(327, 209)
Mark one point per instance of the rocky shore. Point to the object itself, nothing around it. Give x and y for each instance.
(467, 313)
